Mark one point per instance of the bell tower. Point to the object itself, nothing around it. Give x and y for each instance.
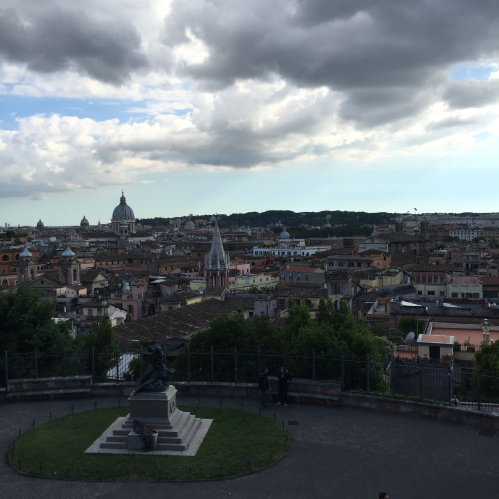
(26, 266)
(69, 267)
(217, 262)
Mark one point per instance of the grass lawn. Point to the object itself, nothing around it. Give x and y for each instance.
(236, 443)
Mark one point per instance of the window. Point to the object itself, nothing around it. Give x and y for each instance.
(431, 293)
(476, 295)
(420, 292)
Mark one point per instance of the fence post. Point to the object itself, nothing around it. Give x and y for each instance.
(117, 364)
(6, 371)
(212, 365)
(65, 364)
(393, 390)
(449, 379)
(313, 364)
(367, 373)
(342, 371)
(188, 363)
(478, 386)
(36, 363)
(421, 381)
(259, 361)
(235, 365)
(93, 366)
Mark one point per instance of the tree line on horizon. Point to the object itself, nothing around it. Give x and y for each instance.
(289, 218)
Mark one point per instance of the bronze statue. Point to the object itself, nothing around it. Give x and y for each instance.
(155, 379)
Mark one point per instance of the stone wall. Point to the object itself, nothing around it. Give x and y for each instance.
(300, 391)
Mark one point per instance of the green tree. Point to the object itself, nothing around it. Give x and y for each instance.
(325, 311)
(407, 325)
(298, 317)
(103, 342)
(268, 338)
(487, 369)
(226, 332)
(27, 323)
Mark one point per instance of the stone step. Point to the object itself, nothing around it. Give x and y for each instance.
(175, 447)
(169, 440)
(187, 427)
(121, 438)
(119, 433)
(194, 428)
(113, 445)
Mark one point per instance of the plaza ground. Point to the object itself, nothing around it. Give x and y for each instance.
(337, 452)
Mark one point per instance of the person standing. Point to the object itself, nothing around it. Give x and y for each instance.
(284, 379)
(263, 386)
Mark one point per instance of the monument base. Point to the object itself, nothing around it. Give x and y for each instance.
(174, 429)
(153, 404)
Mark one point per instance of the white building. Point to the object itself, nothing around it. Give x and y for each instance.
(466, 233)
(288, 251)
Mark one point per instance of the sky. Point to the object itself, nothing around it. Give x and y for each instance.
(227, 107)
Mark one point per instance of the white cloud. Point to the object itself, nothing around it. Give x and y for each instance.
(231, 85)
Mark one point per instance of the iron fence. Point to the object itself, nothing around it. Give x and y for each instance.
(449, 383)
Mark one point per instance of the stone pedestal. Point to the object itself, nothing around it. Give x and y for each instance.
(147, 406)
(135, 441)
(174, 430)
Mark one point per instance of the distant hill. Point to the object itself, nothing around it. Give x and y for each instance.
(291, 219)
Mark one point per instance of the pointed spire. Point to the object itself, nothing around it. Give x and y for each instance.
(217, 258)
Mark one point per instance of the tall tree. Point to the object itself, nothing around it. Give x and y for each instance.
(103, 342)
(27, 323)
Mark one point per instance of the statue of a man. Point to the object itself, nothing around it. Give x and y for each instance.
(155, 379)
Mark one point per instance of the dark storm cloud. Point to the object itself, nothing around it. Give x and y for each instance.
(462, 95)
(354, 46)
(56, 39)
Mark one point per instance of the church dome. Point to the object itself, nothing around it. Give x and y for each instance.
(68, 252)
(84, 222)
(284, 234)
(25, 253)
(40, 225)
(123, 211)
(189, 225)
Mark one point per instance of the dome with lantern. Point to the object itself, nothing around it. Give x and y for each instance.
(284, 234)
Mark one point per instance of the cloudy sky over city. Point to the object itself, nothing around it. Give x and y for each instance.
(220, 106)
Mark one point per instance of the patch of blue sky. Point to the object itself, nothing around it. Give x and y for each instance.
(466, 72)
(480, 137)
(13, 107)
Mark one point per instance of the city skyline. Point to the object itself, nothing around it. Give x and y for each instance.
(212, 107)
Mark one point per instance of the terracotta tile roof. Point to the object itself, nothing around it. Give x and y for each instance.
(176, 323)
(490, 281)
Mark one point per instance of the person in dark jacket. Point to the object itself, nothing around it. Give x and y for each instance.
(263, 386)
(284, 379)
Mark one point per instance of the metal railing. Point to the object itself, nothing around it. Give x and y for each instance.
(450, 384)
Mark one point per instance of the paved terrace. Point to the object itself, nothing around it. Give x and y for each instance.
(337, 452)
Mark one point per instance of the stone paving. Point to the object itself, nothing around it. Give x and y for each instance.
(337, 452)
